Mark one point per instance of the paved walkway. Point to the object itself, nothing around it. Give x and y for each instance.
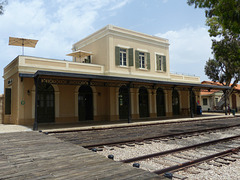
(7, 128)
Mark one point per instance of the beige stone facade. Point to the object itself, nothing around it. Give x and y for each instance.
(117, 64)
(1, 107)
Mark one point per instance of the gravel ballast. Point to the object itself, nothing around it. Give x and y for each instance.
(225, 172)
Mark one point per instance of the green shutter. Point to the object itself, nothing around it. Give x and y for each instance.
(148, 61)
(130, 57)
(164, 64)
(117, 56)
(137, 59)
(157, 63)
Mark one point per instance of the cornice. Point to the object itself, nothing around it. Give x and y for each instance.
(123, 33)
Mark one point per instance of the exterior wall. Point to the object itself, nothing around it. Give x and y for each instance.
(13, 118)
(99, 48)
(1, 108)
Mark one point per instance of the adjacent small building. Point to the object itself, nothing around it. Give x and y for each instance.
(213, 100)
(115, 74)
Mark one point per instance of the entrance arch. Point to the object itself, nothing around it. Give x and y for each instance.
(193, 102)
(143, 102)
(85, 103)
(123, 101)
(175, 102)
(46, 103)
(160, 100)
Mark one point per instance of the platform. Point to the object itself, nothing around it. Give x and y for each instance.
(33, 155)
(89, 125)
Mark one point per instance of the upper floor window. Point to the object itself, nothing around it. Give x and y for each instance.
(123, 57)
(141, 60)
(161, 63)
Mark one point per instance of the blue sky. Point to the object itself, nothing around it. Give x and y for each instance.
(57, 24)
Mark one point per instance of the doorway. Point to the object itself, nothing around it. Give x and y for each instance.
(85, 103)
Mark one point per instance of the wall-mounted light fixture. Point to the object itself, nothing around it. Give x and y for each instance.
(28, 92)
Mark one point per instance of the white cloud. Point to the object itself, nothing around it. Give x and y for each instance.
(119, 5)
(189, 47)
(57, 24)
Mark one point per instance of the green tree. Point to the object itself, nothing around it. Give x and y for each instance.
(225, 66)
(223, 19)
(2, 4)
(227, 12)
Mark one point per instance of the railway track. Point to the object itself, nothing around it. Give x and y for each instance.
(175, 145)
(156, 138)
(212, 148)
(122, 135)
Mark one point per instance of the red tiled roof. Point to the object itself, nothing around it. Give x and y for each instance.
(237, 87)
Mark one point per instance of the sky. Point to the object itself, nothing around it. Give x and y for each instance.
(58, 24)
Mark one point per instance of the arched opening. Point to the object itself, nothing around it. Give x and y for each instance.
(175, 102)
(46, 103)
(85, 103)
(193, 101)
(160, 100)
(143, 102)
(123, 101)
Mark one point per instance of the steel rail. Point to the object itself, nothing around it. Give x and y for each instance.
(178, 149)
(156, 137)
(196, 161)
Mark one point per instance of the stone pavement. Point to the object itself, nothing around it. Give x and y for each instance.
(8, 128)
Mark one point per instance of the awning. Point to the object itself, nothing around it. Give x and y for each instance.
(80, 53)
(117, 79)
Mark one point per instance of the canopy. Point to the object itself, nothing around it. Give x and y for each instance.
(13, 41)
(80, 53)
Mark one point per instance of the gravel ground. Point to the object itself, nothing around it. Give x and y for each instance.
(226, 172)
(6, 128)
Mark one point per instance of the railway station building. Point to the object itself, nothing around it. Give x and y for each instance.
(115, 74)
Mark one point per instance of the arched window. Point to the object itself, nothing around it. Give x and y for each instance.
(123, 102)
(175, 102)
(85, 103)
(160, 100)
(45, 103)
(143, 102)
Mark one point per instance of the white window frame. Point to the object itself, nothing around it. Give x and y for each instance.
(206, 101)
(160, 54)
(142, 56)
(121, 52)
